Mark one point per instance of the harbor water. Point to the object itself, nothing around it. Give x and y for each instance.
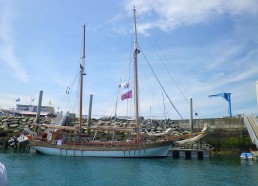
(32, 169)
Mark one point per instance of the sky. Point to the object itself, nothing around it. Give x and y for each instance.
(195, 48)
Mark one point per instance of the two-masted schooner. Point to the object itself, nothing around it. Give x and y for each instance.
(77, 144)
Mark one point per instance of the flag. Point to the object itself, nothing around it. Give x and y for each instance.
(18, 100)
(32, 99)
(124, 85)
(50, 103)
(126, 95)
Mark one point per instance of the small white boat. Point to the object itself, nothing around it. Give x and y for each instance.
(14, 142)
(246, 156)
(3, 175)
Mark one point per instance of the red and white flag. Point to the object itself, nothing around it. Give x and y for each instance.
(126, 95)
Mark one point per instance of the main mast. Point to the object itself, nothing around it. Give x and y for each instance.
(82, 66)
(136, 51)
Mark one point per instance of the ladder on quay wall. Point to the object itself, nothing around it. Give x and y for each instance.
(60, 119)
(251, 124)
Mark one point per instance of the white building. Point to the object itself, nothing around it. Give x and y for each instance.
(32, 110)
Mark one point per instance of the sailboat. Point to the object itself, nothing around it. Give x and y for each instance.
(77, 144)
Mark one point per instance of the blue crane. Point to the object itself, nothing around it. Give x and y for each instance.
(226, 96)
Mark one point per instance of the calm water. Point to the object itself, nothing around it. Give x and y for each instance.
(31, 169)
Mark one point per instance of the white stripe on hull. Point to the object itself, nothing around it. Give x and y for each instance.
(149, 152)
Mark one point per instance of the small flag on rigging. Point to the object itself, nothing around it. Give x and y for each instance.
(126, 95)
(18, 100)
(124, 85)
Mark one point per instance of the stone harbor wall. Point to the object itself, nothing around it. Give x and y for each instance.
(13, 126)
(223, 133)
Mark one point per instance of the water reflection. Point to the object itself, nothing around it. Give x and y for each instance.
(248, 162)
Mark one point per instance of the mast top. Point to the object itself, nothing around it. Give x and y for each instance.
(83, 49)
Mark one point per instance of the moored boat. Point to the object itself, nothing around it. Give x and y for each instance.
(14, 141)
(70, 141)
(103, 149)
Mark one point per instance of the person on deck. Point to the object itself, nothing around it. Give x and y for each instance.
(44, 136)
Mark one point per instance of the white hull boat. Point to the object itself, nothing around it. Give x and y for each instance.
(118, 152)
(79, 144)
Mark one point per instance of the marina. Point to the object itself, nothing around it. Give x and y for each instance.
(60, 141)
(174, 84)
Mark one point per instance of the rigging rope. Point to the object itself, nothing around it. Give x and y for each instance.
(173, 79)
(71, 84)
(67, 95)
(124, 79)
(175, 82)
(160, 83)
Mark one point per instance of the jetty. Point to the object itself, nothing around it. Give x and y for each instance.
(190, 151)
(251, 124)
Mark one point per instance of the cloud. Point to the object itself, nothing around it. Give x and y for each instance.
(7, 52)
(235, 71)
(167, 15)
